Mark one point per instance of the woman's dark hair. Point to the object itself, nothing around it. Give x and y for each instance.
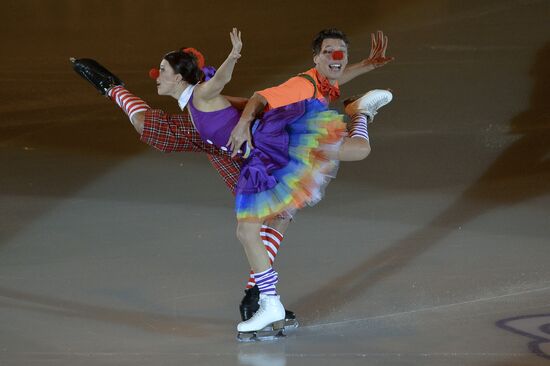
(186, 65)
(331, 33)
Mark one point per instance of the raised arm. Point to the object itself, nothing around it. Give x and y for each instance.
(377, 58)
(213, 87)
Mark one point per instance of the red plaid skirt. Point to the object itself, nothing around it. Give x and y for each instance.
(175, 132)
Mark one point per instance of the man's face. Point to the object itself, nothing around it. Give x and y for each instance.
(328, 63)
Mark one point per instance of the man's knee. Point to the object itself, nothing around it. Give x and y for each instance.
(243, 232)
(279, 223)
(363, 150)
(356, 149)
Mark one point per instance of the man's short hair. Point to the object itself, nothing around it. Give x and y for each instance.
(330, 33)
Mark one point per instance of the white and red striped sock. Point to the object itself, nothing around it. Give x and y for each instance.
(272, 241)
(129, 103)
(359, 126)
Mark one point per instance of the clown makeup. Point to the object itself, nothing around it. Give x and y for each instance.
(167, 80)
(332, 59)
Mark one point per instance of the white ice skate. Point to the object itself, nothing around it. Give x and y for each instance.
(266, 324)
(368, 104)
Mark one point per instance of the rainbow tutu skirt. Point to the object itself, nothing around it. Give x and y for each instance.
(290, 164)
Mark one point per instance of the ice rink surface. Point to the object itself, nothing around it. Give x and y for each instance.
(435, 250)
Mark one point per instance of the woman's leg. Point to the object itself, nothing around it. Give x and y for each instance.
(133, 106)
(138, 121)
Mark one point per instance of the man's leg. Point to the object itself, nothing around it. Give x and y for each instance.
(354, 149)
(361, 111)
(271, 311)
(271, 233)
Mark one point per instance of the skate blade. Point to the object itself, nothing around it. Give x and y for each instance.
(261, 336)
(285, 327)
(270, 333)
(291, 324)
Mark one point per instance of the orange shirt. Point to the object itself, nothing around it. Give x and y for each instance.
(293, 90)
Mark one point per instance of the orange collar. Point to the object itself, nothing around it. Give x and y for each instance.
(329, 91)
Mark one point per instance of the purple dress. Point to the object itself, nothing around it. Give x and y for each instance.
(215, 127)
(288, 167)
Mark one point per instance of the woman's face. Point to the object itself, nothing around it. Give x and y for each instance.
(167, 79)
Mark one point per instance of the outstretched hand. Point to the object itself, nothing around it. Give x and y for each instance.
(379, 45)
(237, 43)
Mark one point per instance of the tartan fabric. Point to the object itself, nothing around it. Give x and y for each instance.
(229, 169)
(175, 133)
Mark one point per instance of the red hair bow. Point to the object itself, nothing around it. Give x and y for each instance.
(197, 54)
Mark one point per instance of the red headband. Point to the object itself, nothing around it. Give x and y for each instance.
(197, 54)
(154, 72)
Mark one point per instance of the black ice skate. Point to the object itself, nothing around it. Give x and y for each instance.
(101, 78)
(250, 304)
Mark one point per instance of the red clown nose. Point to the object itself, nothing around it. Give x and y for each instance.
(337, 55)
(154, 73)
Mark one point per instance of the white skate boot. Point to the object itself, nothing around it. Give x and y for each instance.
(266, 324)
(368, 104)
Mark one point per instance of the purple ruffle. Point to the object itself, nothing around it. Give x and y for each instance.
(270, 151)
